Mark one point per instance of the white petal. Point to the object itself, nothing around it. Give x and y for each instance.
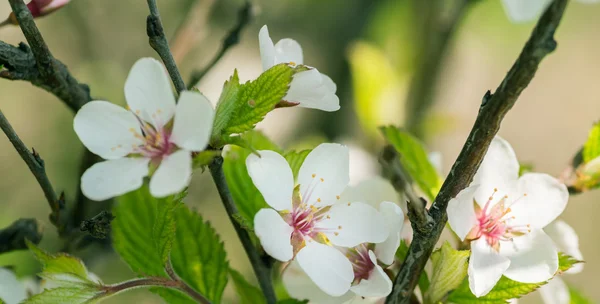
(300, 286)
(193, 121)
(394, 221)
(11, 290)
(566, 240)
(173, 174)
(555, 292)
(351, 224)
(533, 257)
(148, 92)
(324, 174)
(524, 10)
(545, 200)
(500, 165)
(274, 234)
(486, 267)
(288, 50)
(114, 177)
(273, 177)
(377, 285)
(372, 191)
(461, 212)
(327, 267)
(105, 129)
(312, 90)
(267, 49)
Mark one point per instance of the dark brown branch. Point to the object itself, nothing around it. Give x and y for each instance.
(51, 75)
(13, 237)
(36, 166)
(232, 38)
(491, 112)
(158, 41)
(438, 29)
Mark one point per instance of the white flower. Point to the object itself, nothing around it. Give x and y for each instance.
(155, 133)
(12, 291)
(526, 10)
(306, 220)
(502, 215)
(309, 89)
(370, 280)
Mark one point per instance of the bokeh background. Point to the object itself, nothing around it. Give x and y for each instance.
(369, 48)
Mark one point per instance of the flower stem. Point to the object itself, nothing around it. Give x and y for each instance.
(491, 112)
(183, 286)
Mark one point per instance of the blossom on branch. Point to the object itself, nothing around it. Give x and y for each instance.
(502, 216)
(309, 219)
(309, 89)
(39, 8)
(153, 136)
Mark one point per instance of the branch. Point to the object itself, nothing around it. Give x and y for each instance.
(232, 38)
(36, 165)
(402, 182)
(261, 269)
(438, 31)
(491, 112)
(13, 237)
(51, 74)
(158, 41)
(183, 286)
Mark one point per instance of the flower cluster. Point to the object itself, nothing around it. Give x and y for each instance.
(336, 236)
(502, 216)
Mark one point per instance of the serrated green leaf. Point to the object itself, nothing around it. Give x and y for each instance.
(245, 195)
(66, 295)
(577, 297)
(506, 288)
(449, 271)
(164, 227)
(413, 157)
(591, 148)
(247, 293)
(198, 255)
(292, 301)
(173, 296)
(295, 159)
(241, 107)
(62, 269)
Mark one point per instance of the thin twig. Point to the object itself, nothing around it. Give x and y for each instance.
(184, 286)
(232, 38)
(13, 237)
(491, 112)
(261, 269)
(193, 28)
(36, 166)
(438, 30)
(158, 41)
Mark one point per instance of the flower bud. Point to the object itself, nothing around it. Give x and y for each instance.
(38, 8)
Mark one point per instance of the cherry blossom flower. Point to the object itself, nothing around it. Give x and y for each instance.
(368, 259)
(526, 10)
(502, 215)
(309, 218)
(154, 135)
(309, 89)
(12, 291)
(38, 8)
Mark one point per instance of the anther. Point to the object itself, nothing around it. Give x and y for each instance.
(318, 200)
(340, 227)
(322, 180)
(314, 175)
(337, 196)
(336, 233)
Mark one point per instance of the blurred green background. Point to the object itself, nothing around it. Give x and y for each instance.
(369, 48)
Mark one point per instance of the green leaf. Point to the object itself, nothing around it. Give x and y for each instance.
(413, 157)
(248, 293)
(67, 295)
(591, 148)
(577, 297)
(241, 107)
(295, 159)
(449, 271)
(506, 288)
(198, 255)
(204, 158)
(247, 198)
(292, 301)
(62, 269)
(140, 234)
(402, 251)
(173, 296)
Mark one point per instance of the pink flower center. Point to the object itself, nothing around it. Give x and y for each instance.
(156, 140)
(361, 262)
(494, 223)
